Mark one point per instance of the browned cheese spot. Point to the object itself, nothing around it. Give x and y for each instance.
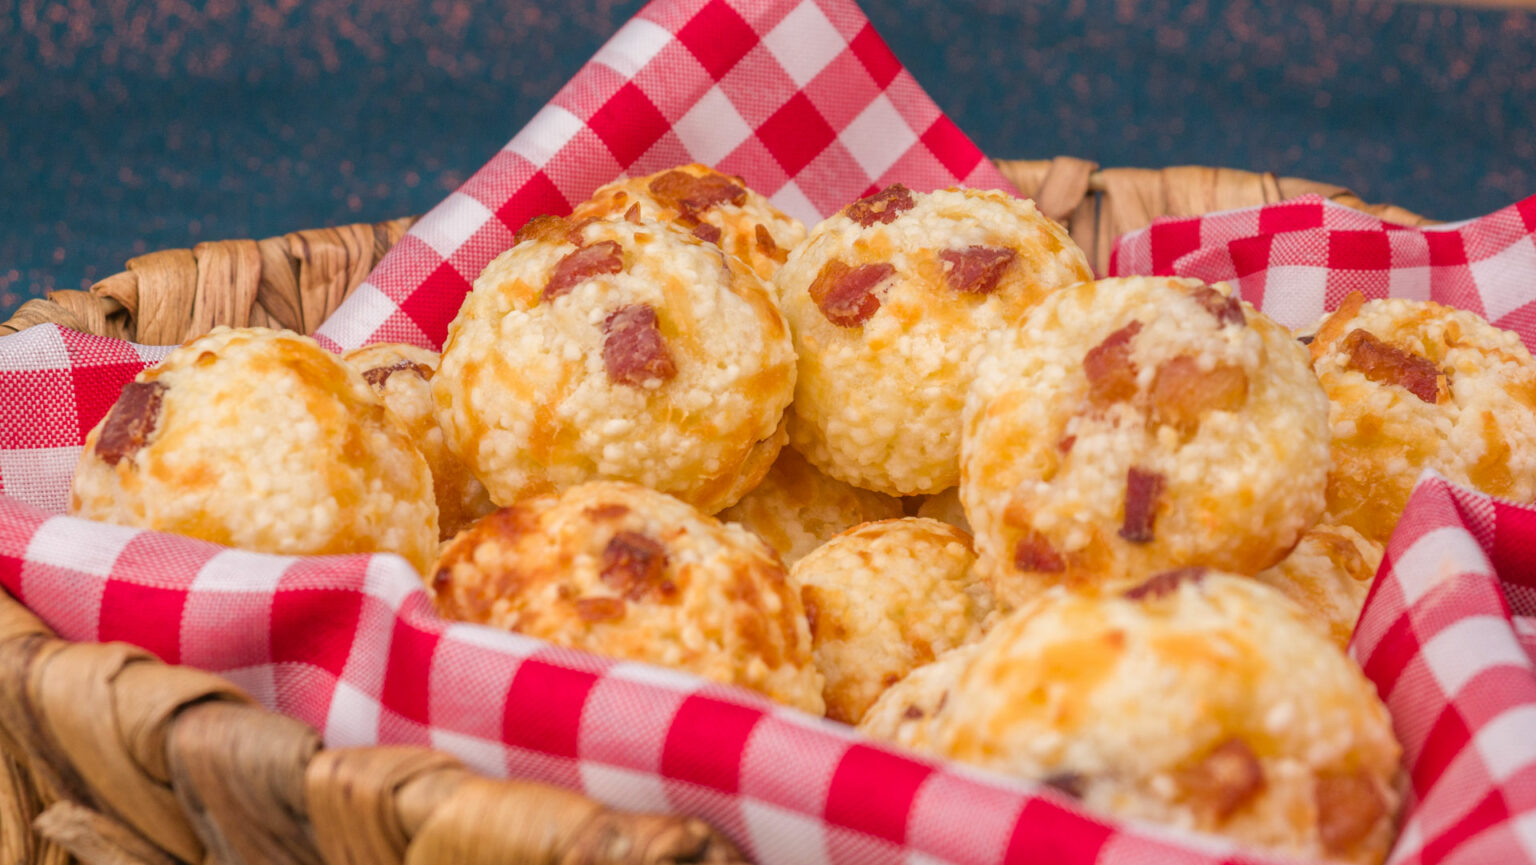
(636, 565)
(545, 227)
(132, 418)
(706, 232)
(600, 609)
(583, 264)
(1143, 489)
(1387, 364)
(1182, 393)
(380, 374)
(976, 269)
(845, 295)
(766, 245)
(1224, 781)
(1164, 584)
(634, 350)
(882, 207)
(632, 215)
(1111, 372)
(1033, 552)
(1348, 808)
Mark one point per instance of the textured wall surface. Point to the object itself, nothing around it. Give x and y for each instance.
(129, 126)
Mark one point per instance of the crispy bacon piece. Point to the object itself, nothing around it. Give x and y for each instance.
(1182, 392)
(706, 232)
(132, 418)
(1066, 443)
(691, 195)
(583, 264)
(632, 215)
(636, 565)
(1164, 584)
(1142, 491)
(1227, 310)
(1111, 373)
(1387, 364)
(546, 227)
(633, 348)
(976, 269)
(1072, 784)
(767, 246)
(600, 609)
(380, 374)
(845, 295)
(882, 207)
(1034, 553)
(1348, 808)
(1225, 780)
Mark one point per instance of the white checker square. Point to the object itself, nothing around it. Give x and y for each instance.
(712, 128)
(633, 47)
(1524, 828)
(359, 317)
(1469, 647)
(625, 789)
(781, 837)
(1294, 294)
(545, 135)
(916, 858)
(353, 719)
(40, 477)
(1504, 279)
(390, 580)
(485, 637)
(1408, 282)
(804, 42)
(484, 756)
(1437, 556)
(450, 223)
(242, 571)
(878, 136)
(153, 354)
(660, 677)
(36, 348)
(792, 201)
(1507, 743)
(79, 545)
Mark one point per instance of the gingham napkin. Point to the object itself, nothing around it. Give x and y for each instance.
(805, 101)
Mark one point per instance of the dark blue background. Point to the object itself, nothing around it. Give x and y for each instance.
(132, 126)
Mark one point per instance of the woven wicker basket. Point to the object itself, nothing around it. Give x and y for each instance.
(110, 756)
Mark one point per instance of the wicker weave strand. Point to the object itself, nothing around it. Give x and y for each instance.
(295, 281)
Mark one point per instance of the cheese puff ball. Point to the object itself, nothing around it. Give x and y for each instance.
(1202, 700)
(624, 571)
(904, 713)
(714, 207)
(945, 507)
(1136, 425)
(611, 350)
(884, 598)
(262, 440)
(890, 302)
(401, 375)
(1328, 575)
(797, 508)
(1416, 385)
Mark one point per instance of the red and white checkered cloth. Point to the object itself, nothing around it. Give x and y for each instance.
(805, 101)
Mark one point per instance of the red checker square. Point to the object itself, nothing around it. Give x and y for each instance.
(758, 86)
(315, 626)
(1446, 248)
(10, 574)
(1490, 811)
(499, 179)
(146, 616)
(1359, 250)
(850, 847)
(873, 790)
(1171, 241)
(667, 152)
(951, 147)
(1250, 255)
(37, 409)
(628, 123)
(1446, 740)
(751, 162)
(408, 674)
(1390, 658)
(1527, 210)
(536, 197)
(673, 81)
(1510, 551)
(842, 90)
(790, 766)
(97, 389)
(796, 134)
(544, 708)
(706, 741)
(437, 301)
(718, 37)
(876, 56)
(1049, 833)
(1292, 216)
(834, 179)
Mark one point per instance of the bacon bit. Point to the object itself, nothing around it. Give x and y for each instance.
(976, 269)
(583, 264)
(1165, 584)
(882, 207)
(1305, 339)
(1065, 445)
(707, 233)
(633, 349)
(1227, 310)
(1034, 553)
(767, 246)
(1182, 393)
(1348, 808)
(1111, 373)
(1333, 326)
(845, 295)
(913, 713)
(380, 374)
(441, 579)
(1072, 784)
(546, 227)
(636, 565)
(691, 195)
(600, 609)
(632, 215)
(1142, 491)
(610, 511)
(1227, 779)
(577, 231)
(1388, 364)
(132, 419)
